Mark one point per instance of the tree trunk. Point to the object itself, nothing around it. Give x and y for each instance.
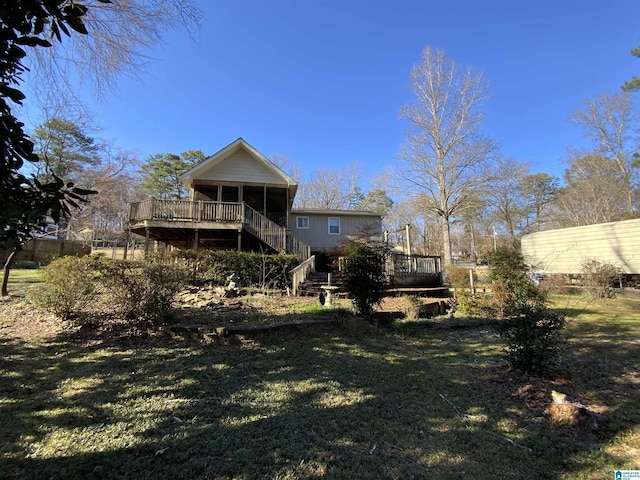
(474, 250)
(446, 241)
(7, 269)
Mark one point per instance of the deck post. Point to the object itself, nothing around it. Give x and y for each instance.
(146, 241)
(471, 283)
(127, 240)
(410, 262)
(239, 240)
(195, 241)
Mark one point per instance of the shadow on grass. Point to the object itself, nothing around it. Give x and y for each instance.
(337, 405)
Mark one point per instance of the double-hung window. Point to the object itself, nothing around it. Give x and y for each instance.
(334, 226)
(302, 222)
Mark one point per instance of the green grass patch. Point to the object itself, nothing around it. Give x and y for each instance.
(421, 400)
(24, 277)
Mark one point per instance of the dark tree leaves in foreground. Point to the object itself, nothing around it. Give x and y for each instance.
(25, 200)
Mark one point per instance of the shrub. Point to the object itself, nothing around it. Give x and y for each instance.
(251, 269)
(599, 278)
(364, 276)
(194, 263)
(142, 289)
(69, 286)
(533, 339)
(411, 307)
(530, 331)
(559, 285)
(513, 291)
(473, 305)
(26, 265)
(459, 277)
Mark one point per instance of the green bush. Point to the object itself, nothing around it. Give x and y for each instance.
(364, 276)
(530, 331)
(513, 291)
(251, 269)
(459, 277)
(26, 265)
(192, 261)
(142, 289)
(69, 287)
(533, 339)
(473, 305)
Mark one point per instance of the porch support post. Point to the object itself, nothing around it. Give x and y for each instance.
(195, 241)
(410, 262)
(126, 243)
(146, 241)
(264, 201)
(239, 240)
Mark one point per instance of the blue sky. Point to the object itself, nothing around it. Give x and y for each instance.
(322, 81)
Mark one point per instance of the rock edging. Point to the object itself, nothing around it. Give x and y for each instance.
(251, 330)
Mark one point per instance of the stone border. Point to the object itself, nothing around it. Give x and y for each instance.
(250, 330)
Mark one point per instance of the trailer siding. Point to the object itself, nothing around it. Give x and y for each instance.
(564, 250)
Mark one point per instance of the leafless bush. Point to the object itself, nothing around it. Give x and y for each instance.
(599, 278)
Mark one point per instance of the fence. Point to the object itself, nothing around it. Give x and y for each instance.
(43, 249)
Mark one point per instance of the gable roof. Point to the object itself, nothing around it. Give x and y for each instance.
(224, 153)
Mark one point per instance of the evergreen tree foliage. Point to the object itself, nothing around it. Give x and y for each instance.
(65, 149)
(634, 83)
(161, 174)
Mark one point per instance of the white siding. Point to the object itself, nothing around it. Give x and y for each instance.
(241, 167)
(564, 250)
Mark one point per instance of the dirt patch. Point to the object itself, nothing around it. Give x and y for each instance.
(19, 318)
(557, 402)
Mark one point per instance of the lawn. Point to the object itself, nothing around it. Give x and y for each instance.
(422, 399)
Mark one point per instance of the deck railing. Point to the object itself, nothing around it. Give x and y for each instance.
(300, 273)
(401, 265)
(185, 210)
(253, 221)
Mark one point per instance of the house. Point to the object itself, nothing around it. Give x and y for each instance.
(238, 199)
(562, 251)
(326, 229)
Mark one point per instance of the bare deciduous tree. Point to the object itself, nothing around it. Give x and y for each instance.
(331, 189)
(284, 163)
(120, 35)
(117, 183)
(503, 195)
(444, 155)
(611, 121)
(594, 192)
(538, 192)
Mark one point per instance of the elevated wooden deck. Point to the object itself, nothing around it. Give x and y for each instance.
(178, 222)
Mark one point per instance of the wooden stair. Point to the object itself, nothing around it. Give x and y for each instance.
(312, 286)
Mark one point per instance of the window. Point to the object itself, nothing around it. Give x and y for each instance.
(334, 226)
(302, 222)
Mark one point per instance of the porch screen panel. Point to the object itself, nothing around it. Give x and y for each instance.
(206, 193)
(277, 205)
(254, 197)
(230, 194)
